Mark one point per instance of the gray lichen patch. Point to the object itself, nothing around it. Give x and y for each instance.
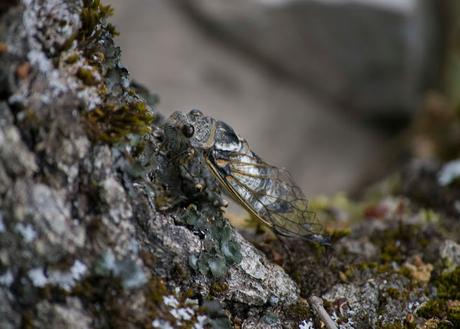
(20, 161)
(248, 282)
(71, 315)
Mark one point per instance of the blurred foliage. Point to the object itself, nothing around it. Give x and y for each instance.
(452, 58)
(435, 132)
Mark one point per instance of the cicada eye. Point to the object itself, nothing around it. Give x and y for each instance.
(196, 112)
(188, 130)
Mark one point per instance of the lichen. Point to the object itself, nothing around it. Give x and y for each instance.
(130, 272)
(179, 309)
(221, 251)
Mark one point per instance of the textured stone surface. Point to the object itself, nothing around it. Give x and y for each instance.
(82, 242)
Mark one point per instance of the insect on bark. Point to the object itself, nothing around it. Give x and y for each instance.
(267, 192)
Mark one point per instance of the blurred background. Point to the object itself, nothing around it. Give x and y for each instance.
(325, 88)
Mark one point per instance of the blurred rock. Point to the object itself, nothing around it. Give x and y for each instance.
(373, 57)
(450, 253)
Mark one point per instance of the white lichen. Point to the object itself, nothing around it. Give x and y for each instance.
(135, 279)
(129, 270)
(47, 26)
(6, 279)
(162, 324)
(170, 301)
(27, 232)
(200, 322)
(449, 172)
(78, 270)
(64, 279)
(306, 324)
(2, 225)
(67, 280)
(115, 195)
(185, 313)
(40, 60)
(37, 276)
(340, 322)
(52, 218)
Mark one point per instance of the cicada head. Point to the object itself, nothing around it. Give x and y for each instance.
(199, 129)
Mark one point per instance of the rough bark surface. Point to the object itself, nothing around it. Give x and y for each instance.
(82, 243)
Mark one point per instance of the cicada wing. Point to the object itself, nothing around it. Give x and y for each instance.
(269, 193)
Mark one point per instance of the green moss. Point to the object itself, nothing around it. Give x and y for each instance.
(405, 271)
(113, 124)
(298, 311)
(88, 76)
(375, 266)
(218, 288)
(445, 325)
(155, 291)
(393, 293)
(338, 234)
(105, 299)
(93, 19)
(93, 14)
(397, 243)
(453, 313)
(398, 325)
(442, 309)
(94, 29)
(448, 285)
(72, 59)
(391, 252)
(180, 272)
(433, 309)
(395, 325)
(27, 319)
(120, 114)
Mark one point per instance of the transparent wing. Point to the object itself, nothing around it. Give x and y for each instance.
(270, 194)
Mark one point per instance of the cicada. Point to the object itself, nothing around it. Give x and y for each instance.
(267, 192)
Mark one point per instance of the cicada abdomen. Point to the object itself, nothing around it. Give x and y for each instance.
(267, 192)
